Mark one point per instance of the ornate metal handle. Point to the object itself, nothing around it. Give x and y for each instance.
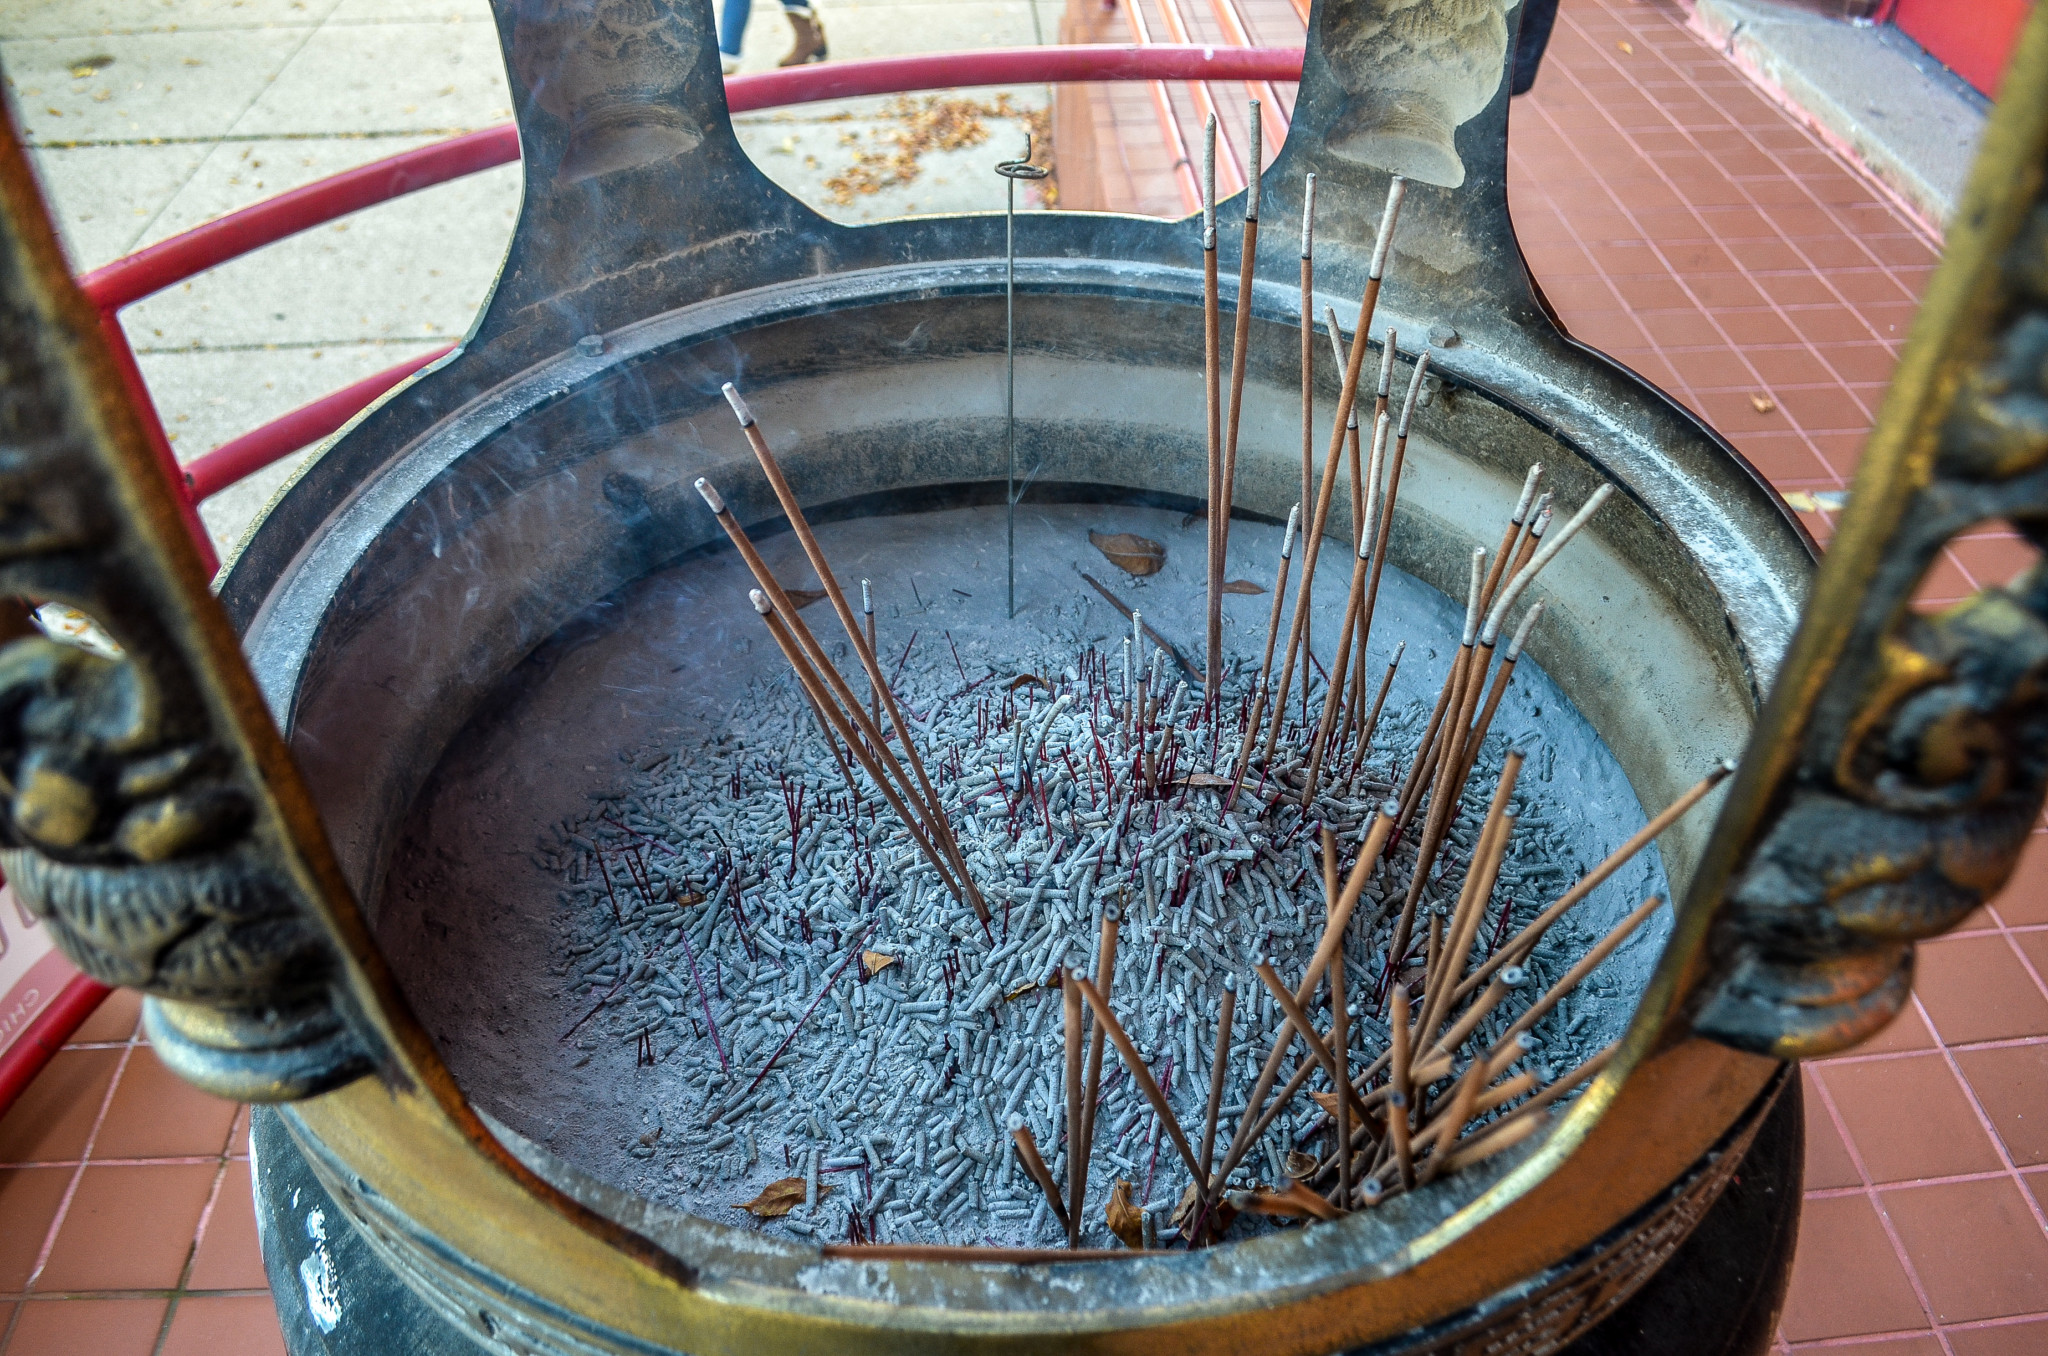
(1902, 759)
(151, 813)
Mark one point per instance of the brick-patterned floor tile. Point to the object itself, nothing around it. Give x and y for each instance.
(224, 1325)
(1841, 1236)
(88, 1327)
(129, 1228)
(1909, 1118)
(1975, 1245)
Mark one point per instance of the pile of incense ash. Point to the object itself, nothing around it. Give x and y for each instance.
(958, 875)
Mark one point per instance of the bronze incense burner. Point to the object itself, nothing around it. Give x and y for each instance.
(217, 830)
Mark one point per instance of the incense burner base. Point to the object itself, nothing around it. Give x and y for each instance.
(1716, 1293)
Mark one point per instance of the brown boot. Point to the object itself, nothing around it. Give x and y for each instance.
(809, 35)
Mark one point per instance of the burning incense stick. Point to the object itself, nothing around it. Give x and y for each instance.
(822, 701)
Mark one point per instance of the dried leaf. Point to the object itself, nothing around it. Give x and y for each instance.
(1299, 1164)
(1026, 680)
(1204, 781)
(1022, 989)
(1220, 1218)
(1124, 1218)
(1293, 1200)
(1129, 552)
(872, 963)
(780, 1197)
(803, 598)
(1243, 586)
(1762, 404)
(1328, 1102)
(647, 1140)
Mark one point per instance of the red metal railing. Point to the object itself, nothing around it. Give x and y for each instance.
(146, 272)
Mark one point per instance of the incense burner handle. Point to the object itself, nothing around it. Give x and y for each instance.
(1902, 759)
(149, 812)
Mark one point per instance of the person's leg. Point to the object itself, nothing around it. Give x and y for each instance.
(808, 32)
(732, 26)
(1538, 16)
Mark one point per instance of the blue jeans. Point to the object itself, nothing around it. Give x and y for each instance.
(732, 22)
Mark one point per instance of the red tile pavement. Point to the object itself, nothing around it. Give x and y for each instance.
(1675, 218)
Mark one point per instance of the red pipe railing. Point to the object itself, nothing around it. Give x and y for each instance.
(148, 271)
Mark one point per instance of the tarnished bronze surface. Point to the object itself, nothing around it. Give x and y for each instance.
(153, 817)
(153, 812)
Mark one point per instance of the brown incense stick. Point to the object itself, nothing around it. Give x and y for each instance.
(1509, 658)
(1105, 976)
(867, 612)
(1240, 342)
(1379, 702)
(1525, 941)
(1212, 377)
(1347, 903)
(821, 701)
(1587, 963)
(1224, 1020)
(941, 829)
(1333, 694)
(944, 1252)
(1479, 878)
(1260, 689)
(1308, 387)
(1347, 395)
(1077, 1163)
(1035, 1169)
(1340, 1021)
(1142, 1076)
(1297, 1018)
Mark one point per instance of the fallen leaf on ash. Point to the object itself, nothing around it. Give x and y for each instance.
(1242, 586)
(1328, 1102)
(1124, 1218)
(1204, 781)
(1129, 552)
(647, 1140)
(1762, 404)
(780, 1197)
(1299, 1164)
(1026, 680)
(1213, 1227)
(803, 598)
(874, 962)
(1022, 989)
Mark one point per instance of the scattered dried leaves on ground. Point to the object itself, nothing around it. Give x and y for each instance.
(932, 123)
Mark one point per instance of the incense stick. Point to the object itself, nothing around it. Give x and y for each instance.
(941, 829)
(1218, 1068)
(1212, 377)
(1105, 974)
(1035, 1169)
(1142, 1076)
(1240, 342)
(1259, 691)
(1525, 941)
(1077, 1161)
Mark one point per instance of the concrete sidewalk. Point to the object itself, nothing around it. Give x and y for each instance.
(149, 119)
